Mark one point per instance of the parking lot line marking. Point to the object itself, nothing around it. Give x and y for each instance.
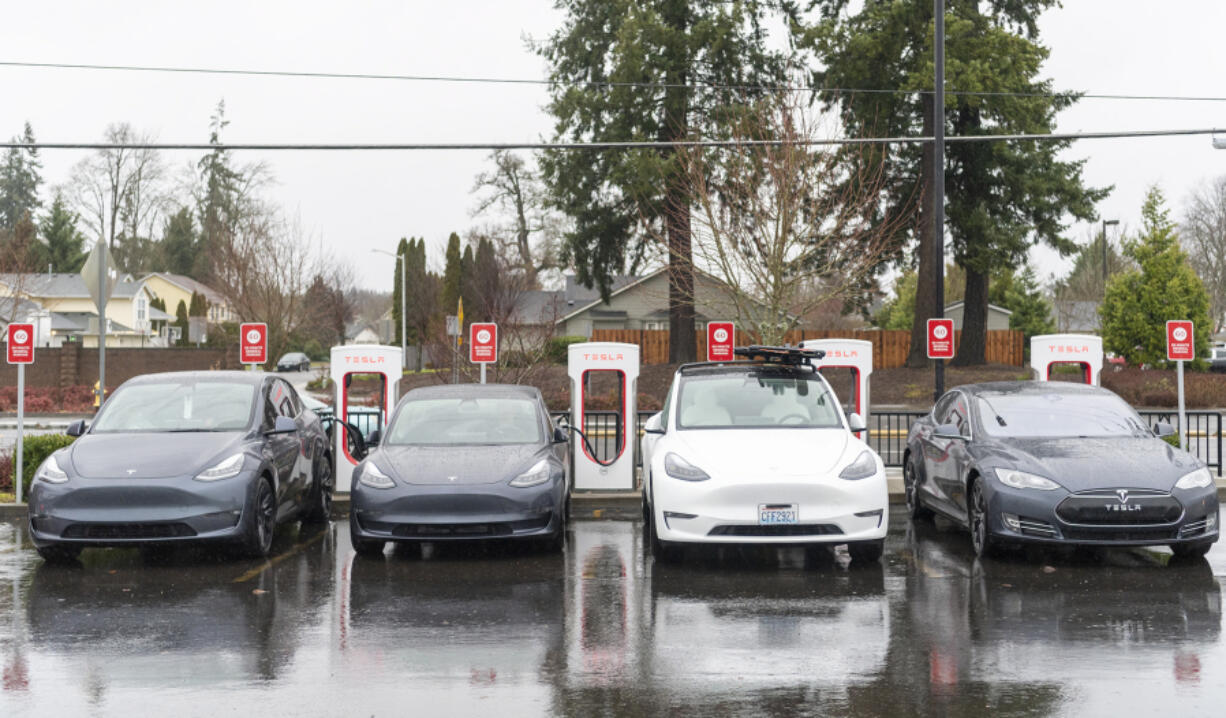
(278, 559)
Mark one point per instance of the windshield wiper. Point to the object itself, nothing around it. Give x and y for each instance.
(999, 420)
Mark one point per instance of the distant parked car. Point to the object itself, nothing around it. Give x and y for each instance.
(184, 457)
(1217, 359)
(294, 361)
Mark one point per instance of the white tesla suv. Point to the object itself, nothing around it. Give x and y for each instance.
(760, 452)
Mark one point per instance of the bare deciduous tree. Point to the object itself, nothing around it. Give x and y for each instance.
(120, 190)
(1203, 236)
(530, 236)
(787, 226)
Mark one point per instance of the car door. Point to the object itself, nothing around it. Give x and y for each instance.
(941, 470)
(284, 448)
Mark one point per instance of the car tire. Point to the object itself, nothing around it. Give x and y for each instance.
(59, 554)
(1191, 550)
(982, 540)
(305, 366)
(910, 484)
(259, 521)
(370, 548)
(866, 551)
(320, 508)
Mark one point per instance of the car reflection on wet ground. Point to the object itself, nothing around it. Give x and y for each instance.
(602, 630)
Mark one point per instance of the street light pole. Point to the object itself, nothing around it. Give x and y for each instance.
(404, 278)
(1105, 223)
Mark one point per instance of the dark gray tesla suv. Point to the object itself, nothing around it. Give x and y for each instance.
(184, 456)
(462, 462)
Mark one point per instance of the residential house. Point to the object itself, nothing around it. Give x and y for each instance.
(72, 315)
(175, 288)
(998, 317)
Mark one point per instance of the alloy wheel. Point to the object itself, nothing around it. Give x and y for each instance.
(265, 516)
(979, 522)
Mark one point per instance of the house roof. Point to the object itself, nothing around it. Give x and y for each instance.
(64, 286)
(80, 322)
(188, 284)
(991, 307)
(24, 308)
(620, 284)
(538, 307)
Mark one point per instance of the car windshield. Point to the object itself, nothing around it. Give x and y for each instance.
(1051, 415)
(465, 420)
(756, 399)
(178, 406)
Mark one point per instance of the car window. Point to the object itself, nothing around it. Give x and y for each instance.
(668, 400)
(270, 406)
(940, 412)
(759, 398)
(959, 415)
(283, 397)
(1058, 415)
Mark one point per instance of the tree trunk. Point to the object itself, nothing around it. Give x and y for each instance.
(682, 345)
(925, 289)
(972, 350)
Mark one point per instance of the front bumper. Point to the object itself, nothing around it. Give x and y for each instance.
(830, 510)
(456, 513)
(124, 512)
(1035, 520)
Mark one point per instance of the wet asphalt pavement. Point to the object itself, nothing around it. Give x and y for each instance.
(602, 630)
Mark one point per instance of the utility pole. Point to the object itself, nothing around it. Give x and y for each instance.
(938, 183)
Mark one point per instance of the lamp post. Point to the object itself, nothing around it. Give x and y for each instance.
(1105, 223)
(404, 278)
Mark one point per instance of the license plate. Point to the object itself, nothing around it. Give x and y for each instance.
(775, 514)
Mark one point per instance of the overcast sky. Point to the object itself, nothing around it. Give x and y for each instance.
(355, 202)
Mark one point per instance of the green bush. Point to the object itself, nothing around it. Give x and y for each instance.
(36, 449)
(558, 346)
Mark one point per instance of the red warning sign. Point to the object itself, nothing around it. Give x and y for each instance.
(483, 343)
(721, 336)
(21, 344)
(253, 343)
(940, 339)
(1180, 344)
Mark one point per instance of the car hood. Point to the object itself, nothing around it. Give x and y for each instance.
(779, 452)
(148, 455)
(1099, 463)
(457, 465)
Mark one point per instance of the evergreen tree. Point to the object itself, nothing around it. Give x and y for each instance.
(1163, 286)
(898, 311)
(199, 306)
(1031, 310)
(179, 244)
(423, 298)
(20, 177)
(63, 245)
(182, 322)
(1001, 197)
(402, 250)
(709, 62)
(158, 303)
(453, 275)
(218, 206)
(468, 289)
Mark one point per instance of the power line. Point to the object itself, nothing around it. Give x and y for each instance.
(628, 145)
(591, 83)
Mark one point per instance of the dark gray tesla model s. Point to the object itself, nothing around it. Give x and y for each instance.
(462, 462)
(1053, 462)
(180, 457)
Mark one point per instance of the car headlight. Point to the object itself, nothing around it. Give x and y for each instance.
(538, 474)
(225, 469)
(1198, 479)
(51, 472)
(1022, 480)
(374, 477)
(679, 468)
(863, 467)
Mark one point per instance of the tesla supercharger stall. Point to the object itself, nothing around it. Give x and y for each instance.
(603, 381)
(855, 355)
(1082, 350)
(360, 368)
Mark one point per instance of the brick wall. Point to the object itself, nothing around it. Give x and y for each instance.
(71, 365)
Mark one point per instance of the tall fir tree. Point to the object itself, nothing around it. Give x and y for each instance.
(699, 65)
(217, 207)
(20, 178)
(468, 289)
(1001, 198)
(402, 250)
(179, 244)
(453, 275)
(63, 245)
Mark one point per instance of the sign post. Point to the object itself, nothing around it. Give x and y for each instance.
(483, 345)
(721, 336)
(253, 343)
(1180, 347)
(940, 344)
(20, 352)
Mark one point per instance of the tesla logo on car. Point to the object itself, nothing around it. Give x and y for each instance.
(452, 478)
(131, 471)
(1123, 496)
(1122, 507)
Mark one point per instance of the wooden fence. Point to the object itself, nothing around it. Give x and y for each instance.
(889, 347)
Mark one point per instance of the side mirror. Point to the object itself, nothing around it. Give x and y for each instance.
(1163, 430)
(375, 437)
(855, 422)
(283, 425)
(654, 424)
(76, 428)
(560, 435)
(947, 431)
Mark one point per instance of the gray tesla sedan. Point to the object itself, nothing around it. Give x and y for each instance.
(463, 462)
(184, 456)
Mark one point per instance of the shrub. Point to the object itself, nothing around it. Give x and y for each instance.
(558, 348)
(6, 471)
(36, 449)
